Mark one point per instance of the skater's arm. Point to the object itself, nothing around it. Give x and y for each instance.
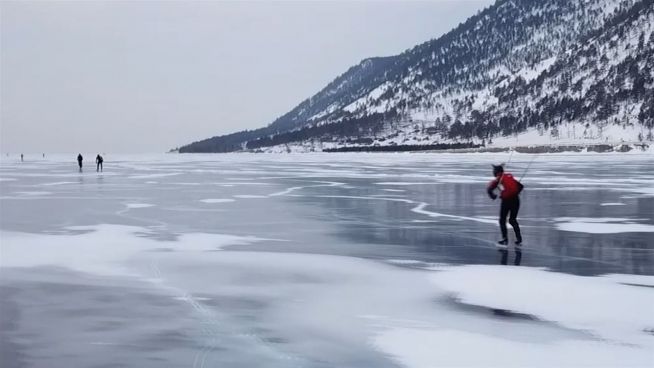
(491, 189)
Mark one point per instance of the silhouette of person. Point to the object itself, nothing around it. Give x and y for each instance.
(79, 161)
(510, 194)
(21, 157)
(98, 162)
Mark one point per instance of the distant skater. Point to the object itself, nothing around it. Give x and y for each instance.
(98, 163)
(21, 157)
(79, 161)
(510, 190)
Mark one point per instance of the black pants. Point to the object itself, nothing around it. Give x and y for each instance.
(510, 207)
(99, 166)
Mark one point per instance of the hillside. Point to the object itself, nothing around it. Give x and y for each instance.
(519, 72)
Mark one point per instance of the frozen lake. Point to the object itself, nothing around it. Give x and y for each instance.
(324, 260)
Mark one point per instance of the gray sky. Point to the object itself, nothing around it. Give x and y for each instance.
(147, 76)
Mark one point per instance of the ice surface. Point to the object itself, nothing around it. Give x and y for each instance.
(343, 260)
(421, 210)
(249, 196)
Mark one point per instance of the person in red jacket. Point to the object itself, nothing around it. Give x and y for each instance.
(510, 190)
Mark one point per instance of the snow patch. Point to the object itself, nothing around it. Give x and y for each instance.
(602, 225)
(429, 348)
(216, 200)
(139, 205)
(605, 228)
(33, 193)
(606, 308)
(101, 249)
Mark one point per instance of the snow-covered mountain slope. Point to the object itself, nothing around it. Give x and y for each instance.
(551, 71)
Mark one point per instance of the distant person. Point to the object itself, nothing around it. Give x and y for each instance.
(79, 161)
(509, 193)
(98, 163)
(21, 157)
(44, 155)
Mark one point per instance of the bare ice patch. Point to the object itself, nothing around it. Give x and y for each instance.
(421, 210)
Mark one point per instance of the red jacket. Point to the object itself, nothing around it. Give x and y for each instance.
(509, 187)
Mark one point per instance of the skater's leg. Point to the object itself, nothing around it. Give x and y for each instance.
(504, 211)
(513, 219)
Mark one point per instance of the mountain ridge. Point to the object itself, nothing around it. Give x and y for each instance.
(514, 67)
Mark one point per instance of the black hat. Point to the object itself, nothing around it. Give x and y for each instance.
(498, 169)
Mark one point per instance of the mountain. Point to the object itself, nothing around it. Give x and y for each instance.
(517, 73)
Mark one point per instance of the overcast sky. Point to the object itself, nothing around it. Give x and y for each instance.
(147, 76)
